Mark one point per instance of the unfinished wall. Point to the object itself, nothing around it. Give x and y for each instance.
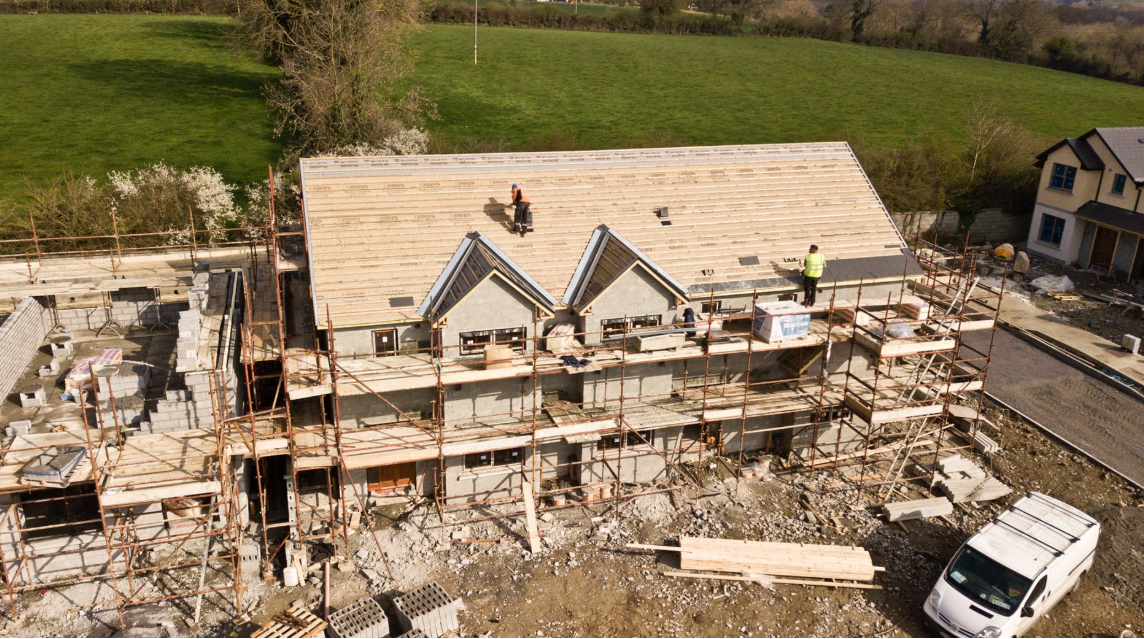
(492, 400)
(358, 341)
(20, 336)
(464, 485)
(491, 305)
(129, 307)
(635, 293)
(360, 411)
(646, 381)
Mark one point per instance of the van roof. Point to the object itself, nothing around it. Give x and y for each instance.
(1032, 532)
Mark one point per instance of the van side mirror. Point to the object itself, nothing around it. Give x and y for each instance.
(1027, 611)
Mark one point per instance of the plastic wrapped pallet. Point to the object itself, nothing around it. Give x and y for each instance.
(560, 339)
(781, 321)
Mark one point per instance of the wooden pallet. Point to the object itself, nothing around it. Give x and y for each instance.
(295, 623)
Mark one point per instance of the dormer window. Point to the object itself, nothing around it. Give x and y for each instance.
(1118, 183)
(1063, 177)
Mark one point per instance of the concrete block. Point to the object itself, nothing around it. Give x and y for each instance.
(33, 396)
(21, 427)
(363, 618)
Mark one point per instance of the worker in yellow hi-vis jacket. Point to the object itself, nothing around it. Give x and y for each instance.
(812, 267)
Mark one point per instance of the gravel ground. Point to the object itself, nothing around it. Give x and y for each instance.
(585, 582)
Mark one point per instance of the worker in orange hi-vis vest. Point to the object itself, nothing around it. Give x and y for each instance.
(522, 218)
(812, 267)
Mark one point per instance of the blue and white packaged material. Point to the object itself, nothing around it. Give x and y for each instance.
(781, 321)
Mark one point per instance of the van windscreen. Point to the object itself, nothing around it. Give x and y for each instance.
(986, 581)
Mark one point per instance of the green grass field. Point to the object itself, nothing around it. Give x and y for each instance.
(96, 93)
(603, 89)
(110, 92)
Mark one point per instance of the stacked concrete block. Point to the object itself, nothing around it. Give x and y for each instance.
(134, 307)
(33, 396)
(62, 348)
(250, 556)
(187, 347)
(131, 378)
(51, 369)
(20, 336)
(428, 608)
(21, 427)
(129, 409)
(363, 618)
(413, 633)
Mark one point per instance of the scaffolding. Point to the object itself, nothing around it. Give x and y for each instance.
(873, 426)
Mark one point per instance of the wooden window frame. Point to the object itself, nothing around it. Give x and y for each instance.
(615, 328)
(393, 333)
(516, 338)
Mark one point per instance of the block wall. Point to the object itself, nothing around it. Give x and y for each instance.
(129, 307)
(20, 336)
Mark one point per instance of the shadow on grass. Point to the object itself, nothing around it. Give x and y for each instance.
(213, 34)
(189, 83)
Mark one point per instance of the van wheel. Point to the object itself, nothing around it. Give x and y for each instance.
(1077, 583)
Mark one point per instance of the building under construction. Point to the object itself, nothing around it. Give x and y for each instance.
(183, 420)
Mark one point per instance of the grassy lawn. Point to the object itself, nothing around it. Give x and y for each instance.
(96, 93)
(603, 89)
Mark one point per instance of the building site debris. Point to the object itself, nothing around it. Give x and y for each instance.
(764, 579)
(771, 558)
(429, 609)
(918, 509)
(363, 618)
(295, 623)
(962, 480)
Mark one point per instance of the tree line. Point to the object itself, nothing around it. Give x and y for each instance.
(1104, 41)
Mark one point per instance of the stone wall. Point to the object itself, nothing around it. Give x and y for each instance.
(990, 225)
(20, 336)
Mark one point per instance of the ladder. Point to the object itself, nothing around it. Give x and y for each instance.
(913, 434)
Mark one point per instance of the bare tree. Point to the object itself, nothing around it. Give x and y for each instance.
(342, 60)
(1008, 28)
(995, 166)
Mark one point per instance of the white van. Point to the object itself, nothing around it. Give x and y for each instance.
(1014, 570)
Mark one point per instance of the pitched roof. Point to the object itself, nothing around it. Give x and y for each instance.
(1113, 216)
(1127, 144)
(607, 257)
(474, 261)
(383, 228)
(1089, 159)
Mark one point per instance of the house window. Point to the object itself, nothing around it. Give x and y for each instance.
(488, 459)
(1052, 228)
(618, 440)
(614, 328)
(474, 343)
(1063, 177)
(1118, 183)
(711, 308)
(385, 342)
(635, 439)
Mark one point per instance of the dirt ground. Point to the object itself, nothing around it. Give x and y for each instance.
(1093, 315)
(585, 582)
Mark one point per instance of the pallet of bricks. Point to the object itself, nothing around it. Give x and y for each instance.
(429, 609)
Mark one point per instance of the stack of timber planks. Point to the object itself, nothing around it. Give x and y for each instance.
(918, 509)
(961, 480)
(771, 559)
